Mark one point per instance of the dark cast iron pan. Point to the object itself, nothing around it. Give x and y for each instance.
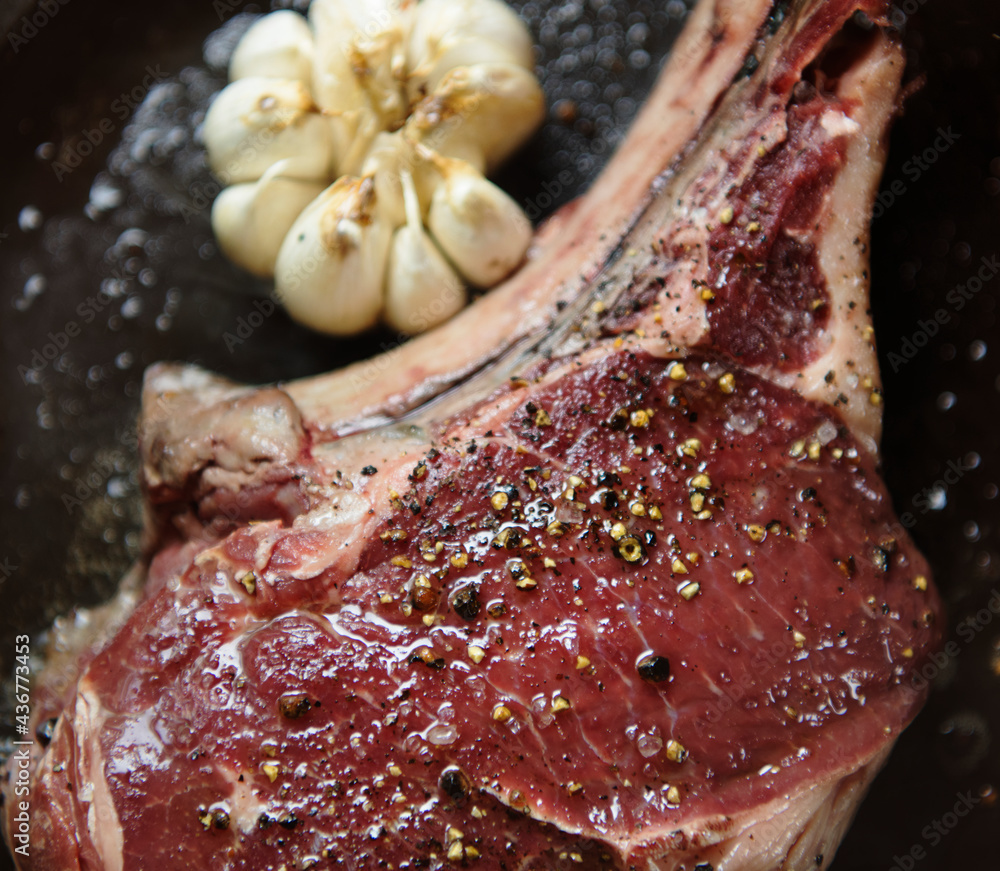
(104, 234)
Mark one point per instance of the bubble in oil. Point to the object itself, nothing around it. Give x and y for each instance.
(964, 740)
(29, 218)
(33, 288)
(649, 745)
(442, 734)
(132, 307)
(946, 401)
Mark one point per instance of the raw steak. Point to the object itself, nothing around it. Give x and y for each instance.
(599, 575)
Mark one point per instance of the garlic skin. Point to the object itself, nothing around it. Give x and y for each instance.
(251, 219)
(277, 46)
(421, 288)
(257, 121)
(481, 229)
(454, 33)
(331, 267)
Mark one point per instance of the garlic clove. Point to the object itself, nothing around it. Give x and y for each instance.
(278, 46)
(331, 267)
(358, 130)
(481, 229)
(250, 220)
(449, 33)
(422, 289)
(257, 121)
(386, 160)
(360, 56)
(481, 114)
(463, 53)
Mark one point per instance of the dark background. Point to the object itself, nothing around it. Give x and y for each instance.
(117, 204)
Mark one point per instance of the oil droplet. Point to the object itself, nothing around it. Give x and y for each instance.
(132, 307)
(442, 734)
(649, 745)
(29, 218)
(103, 198)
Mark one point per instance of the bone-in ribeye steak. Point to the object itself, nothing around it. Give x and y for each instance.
(601, 574)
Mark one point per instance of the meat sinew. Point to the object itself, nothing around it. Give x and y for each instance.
(601, 574)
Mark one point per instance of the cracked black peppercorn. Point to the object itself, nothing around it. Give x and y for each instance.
(653, 668)
(294, 706)
(466, 602)
(455, 785)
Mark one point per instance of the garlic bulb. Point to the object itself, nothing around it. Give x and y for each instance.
(278, 46)
(421, 288)
(256, 121)
(481, 229)
(403, 105)
(331, 266)
(251, 219)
